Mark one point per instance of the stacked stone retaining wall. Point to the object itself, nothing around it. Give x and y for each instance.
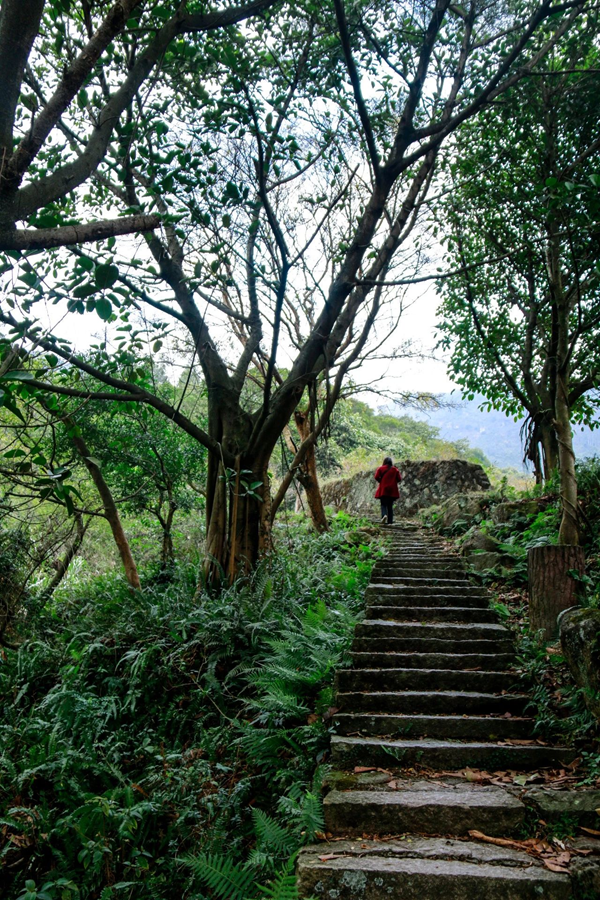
(423, 484)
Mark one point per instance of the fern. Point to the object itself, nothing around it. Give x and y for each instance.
(228, 880)
(271, 836)
(283, 886)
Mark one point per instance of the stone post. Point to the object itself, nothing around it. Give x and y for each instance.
(551, 588)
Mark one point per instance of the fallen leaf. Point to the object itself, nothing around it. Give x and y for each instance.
(554, 867)
(359, 769)
(593, 831)
(329, 856)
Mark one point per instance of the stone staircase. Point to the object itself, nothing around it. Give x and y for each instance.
(431, 686)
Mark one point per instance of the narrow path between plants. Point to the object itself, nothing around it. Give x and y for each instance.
(431, 699)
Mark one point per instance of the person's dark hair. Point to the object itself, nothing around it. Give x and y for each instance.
(388, 461)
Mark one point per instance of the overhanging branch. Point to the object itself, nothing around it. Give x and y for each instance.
(66, 235)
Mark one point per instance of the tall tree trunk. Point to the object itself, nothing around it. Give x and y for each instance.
(238, 499)
(70, 554)
(110, 507)
(569, 526)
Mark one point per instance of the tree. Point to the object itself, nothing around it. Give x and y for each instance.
(521, 314)
(39, 90)
(280, 185)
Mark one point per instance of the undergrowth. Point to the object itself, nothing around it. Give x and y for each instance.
(159, 745)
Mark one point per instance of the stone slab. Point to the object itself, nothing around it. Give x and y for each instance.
(458, 727)
(423, 809)
(347, 752)
(419, 869)
(445, 702)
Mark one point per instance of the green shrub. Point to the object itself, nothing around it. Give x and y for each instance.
(147, 733)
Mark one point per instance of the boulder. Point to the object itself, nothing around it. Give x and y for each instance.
(461, 507)
(503, 512)
(475, 539)
(580, 642)
(482, 561)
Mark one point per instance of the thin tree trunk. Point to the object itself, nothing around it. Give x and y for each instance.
(65, 562)
(307, 475)
(549, 449)
(110, 508)
(569, 526)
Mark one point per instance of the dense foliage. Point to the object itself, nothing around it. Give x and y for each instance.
(158, 741)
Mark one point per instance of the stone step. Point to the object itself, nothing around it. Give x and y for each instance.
(390, 660)
(426, 588)
(430, 645)
(440, 614)
(424, 808)
(446, 755)
(384, 628)
(423, 869)
(398, 570)
(347, 680)
(459, 727)
(445, 702)
(397, 598)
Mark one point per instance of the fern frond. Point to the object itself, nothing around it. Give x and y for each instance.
(227, 879)
(272, 837)
(283, 886)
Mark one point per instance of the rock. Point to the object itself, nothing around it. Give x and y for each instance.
(580, 641)
(462, 506)
(424, 484)
(475, 539)
(581, 806)
(585, 877)
(359, 536)
(481, 562)
(502, 512)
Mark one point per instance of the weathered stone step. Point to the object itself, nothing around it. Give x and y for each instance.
(391, 660)
(418, 571)
(416, 598)
(384, 628)
(432, 614)
(422, 679)
(424, 586)
(462, 703)
(425, 809)
(427, 562)
(429, 645)
(347, 752)
(459, 727)
(424, 869)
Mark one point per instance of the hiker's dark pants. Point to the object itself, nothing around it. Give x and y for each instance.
(387, 508)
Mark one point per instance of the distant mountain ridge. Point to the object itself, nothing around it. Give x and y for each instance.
(497, 435)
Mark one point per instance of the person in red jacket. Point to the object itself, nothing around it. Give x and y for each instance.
(388, 478)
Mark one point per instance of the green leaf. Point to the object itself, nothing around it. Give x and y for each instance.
(18, 376)
(104, 309)
(105, 275)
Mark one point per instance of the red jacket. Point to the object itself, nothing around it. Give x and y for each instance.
(388, 477)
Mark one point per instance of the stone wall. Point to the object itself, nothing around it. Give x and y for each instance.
(423, 484)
